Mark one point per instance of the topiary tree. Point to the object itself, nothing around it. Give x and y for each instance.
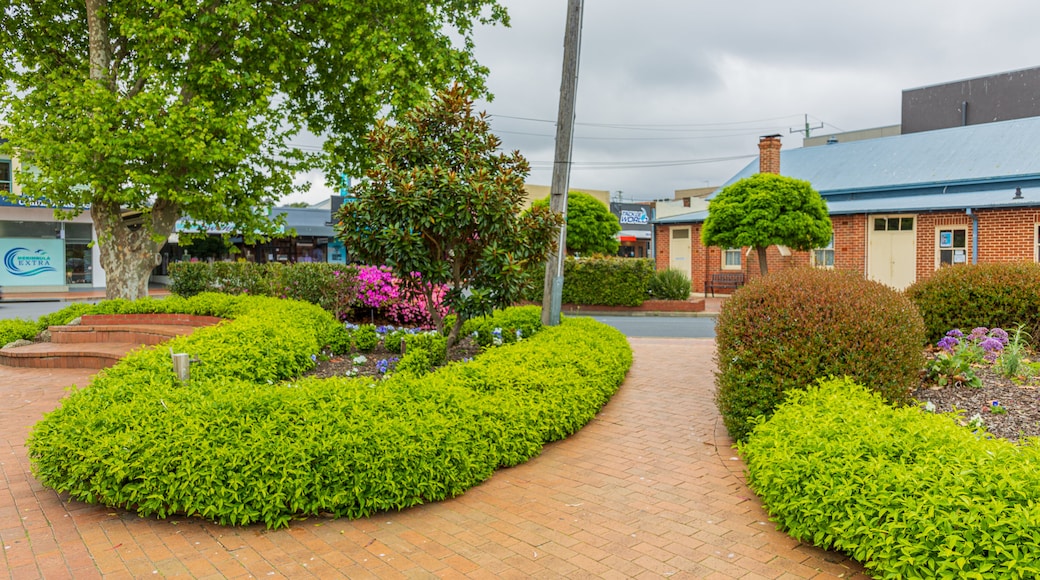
(767, 209)
(786, 330)
(591, 228)
(443, 206)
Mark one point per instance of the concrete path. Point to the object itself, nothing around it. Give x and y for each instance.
(649, 489)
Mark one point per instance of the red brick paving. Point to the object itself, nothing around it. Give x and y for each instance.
(650, 488)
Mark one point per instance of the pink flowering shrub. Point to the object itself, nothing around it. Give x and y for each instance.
(377, 287)
(411, 308)
(380, 290)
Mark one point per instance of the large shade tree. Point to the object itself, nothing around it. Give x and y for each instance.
(147, 111)
(443, 205)
(767, 209)
(591, 228)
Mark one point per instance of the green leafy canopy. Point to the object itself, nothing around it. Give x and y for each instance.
(591, 228)
(767, 209)
(176, 108)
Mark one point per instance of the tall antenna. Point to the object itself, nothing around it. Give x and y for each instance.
(807, 130)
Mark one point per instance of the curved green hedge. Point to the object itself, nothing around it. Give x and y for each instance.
(908, 493)
(239, 445)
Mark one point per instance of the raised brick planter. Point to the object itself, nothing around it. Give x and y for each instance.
(155, 318)
(647, 307)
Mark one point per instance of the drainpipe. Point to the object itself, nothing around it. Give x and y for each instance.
(974, 235)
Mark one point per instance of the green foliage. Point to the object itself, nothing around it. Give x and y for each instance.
(240, 277)
(607, 280)
(766, 209)
(782, 332)
(909, 494)
(600, 280)
(432, 343)
(192, 109)
(591, 228)
(970, 295)
(247, 451)
(669, 285)
(512, 324)
(16, 329)
(365, 337)
(66, 315)
(190, 278)
(444, 203)
(331, 286)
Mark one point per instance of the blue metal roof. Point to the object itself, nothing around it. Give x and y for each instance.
(684, 218)
(986, 153)
(1004, 198)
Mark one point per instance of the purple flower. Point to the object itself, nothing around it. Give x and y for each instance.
(1000, 334)
(990, 344)
(978, 333)
(955, 333)
(947, 343)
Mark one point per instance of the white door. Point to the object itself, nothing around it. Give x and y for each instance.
(892, 250)
(679, 250)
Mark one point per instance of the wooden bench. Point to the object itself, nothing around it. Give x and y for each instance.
(723, 281)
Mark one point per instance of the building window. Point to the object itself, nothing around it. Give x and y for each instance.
(953, 246)
(894, 224)
(824, 257)
(5, 176)
(731, 259)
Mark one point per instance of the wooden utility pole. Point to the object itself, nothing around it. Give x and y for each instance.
(552, 295)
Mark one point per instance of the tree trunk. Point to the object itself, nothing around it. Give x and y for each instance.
(128, 249)
(762, 267)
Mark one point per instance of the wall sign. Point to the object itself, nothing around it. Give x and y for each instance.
(32, 262)
(634, 217)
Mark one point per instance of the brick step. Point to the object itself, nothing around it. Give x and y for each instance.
(101, 340)
(120, 333)
(51, 355)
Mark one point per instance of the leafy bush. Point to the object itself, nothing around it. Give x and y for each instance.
(669, 285)
(784, 331)
(907, 493)
(190, 278)
(599, 280)
(970, 295)
(365, 337)
(15, 329)
(247, 451)
(432, 342)
(507, 325)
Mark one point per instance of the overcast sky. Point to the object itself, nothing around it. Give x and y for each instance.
(667, 88)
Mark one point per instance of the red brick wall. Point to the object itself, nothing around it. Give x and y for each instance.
(850, 242)
(1005, 235)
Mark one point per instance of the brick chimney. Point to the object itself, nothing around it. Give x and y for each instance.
(769, 154)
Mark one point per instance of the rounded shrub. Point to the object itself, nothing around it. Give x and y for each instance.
(669, 285)
(1002, 295)
(787, 330)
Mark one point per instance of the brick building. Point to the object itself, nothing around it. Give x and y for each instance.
(901, 206)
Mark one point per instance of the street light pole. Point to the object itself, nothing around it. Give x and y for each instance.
(552, 295)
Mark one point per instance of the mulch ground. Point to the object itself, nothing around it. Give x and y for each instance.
(1020, 399)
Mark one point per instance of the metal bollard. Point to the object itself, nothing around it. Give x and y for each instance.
(181, 366)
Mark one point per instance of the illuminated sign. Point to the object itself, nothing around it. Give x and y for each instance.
(32, 262)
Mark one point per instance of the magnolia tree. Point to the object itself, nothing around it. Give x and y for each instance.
(591, 228)
(443, 206)
(767, 209)
(144, 112)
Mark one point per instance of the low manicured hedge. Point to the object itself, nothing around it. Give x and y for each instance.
(599, 280)
(1003, 295)
(238, 444)
(908, 493)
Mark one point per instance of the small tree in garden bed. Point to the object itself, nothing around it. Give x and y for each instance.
(443, 203)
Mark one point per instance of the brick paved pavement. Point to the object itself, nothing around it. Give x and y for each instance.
(649, 489)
